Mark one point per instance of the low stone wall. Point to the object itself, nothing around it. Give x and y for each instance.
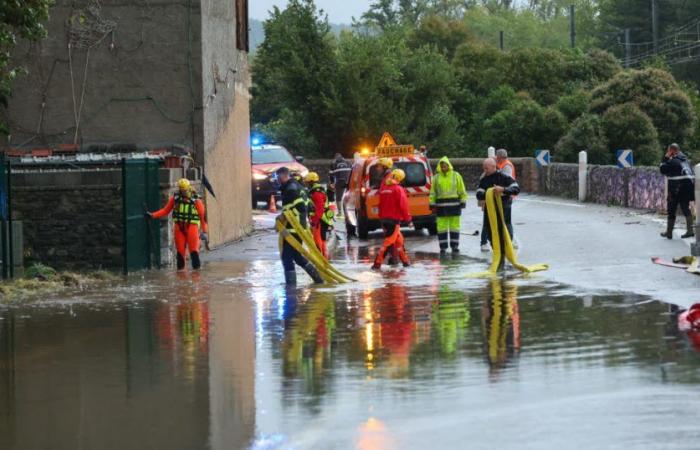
(637, 187)
(72, 219)
(469, 168)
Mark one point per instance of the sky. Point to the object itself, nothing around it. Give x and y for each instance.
(339, 11)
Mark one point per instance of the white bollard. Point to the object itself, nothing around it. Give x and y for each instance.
(582, 175)
(696, 247)
(491, 152)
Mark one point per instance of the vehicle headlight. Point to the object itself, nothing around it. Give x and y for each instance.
(304, 173)
(259, 176)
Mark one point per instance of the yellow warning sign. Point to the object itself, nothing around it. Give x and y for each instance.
(387, 140)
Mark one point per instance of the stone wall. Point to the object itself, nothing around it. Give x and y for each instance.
(469, 168)
(637, 187)
(73, 219)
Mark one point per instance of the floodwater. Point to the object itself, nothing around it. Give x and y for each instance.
(407, 359)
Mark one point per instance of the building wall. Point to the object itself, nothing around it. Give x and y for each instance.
(141, 83)
(226, 155)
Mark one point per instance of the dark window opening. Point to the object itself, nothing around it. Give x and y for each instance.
(415, 174)
(242, 25)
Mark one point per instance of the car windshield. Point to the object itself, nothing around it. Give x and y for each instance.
(271, 155)
(415, 174)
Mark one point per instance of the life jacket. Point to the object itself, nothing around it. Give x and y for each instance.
(328, 214)
(512, 168)
(185, 211)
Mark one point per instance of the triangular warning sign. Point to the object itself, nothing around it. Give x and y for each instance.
(386, 140)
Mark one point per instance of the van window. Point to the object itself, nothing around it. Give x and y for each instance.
(415, 173)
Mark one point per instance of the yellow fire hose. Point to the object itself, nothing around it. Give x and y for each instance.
(329, 273)
(494, 208)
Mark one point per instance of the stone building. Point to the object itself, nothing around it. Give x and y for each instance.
(145, 74)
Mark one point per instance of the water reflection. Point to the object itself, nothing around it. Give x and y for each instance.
(398, 362)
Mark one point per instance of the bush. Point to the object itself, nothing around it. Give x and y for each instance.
(655, 93)
(627, 127)
(574, 105)
(586, 133)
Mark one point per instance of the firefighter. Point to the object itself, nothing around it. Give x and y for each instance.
(294, 198)
(447, 199)
(320, 213)
(189, 218)
(393, 210)
(681, 189)
(382, 171)
(339, 176)
(503, 184)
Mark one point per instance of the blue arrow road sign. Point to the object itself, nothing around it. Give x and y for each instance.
(625, 158)
(542, 157)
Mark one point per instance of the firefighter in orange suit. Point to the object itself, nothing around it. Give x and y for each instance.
(189, 218)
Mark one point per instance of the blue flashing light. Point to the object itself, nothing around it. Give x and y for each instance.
(255, 141)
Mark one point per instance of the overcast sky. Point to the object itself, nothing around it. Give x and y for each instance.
(339, 11)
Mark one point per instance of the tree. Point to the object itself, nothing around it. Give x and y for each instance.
(294, 70)
(586, 133)
(657, 94)
(18, 20)
(627, 127)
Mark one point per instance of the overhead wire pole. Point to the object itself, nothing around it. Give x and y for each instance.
(500, 40)
(572, 25)
(655, 25)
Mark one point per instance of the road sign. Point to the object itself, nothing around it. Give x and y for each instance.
(542, 157)
(625, 158)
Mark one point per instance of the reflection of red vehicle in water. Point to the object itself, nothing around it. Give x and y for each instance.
(689, 323)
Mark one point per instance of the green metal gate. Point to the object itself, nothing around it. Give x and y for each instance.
(140, 193)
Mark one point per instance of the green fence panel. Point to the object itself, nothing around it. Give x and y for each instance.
(141, 193)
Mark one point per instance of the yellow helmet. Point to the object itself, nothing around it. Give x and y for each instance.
(386, 162)
(311, 177)
(184, 184)
(398, 175)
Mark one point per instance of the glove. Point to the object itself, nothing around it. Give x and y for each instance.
(463, 205)
(203, 236)
(148, 215)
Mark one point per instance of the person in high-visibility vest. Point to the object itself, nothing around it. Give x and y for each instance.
(189, 218)
(294, 198)
(393, 211)
(320, 215)
(448, 197)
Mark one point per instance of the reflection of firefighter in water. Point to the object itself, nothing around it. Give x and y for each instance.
(307, 341)
(184, 323)
(451, 317)
(396, 326)
(501, 324)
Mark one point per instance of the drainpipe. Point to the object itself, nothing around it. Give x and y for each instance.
(582, 175)
(695, 249)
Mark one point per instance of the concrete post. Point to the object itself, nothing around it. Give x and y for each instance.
(491, 152)
(695, 249)
(582, 175)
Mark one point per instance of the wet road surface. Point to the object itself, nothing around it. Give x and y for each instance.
(404, 359)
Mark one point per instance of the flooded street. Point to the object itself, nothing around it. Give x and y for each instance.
(408, 358)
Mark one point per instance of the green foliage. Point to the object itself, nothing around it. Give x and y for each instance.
(41, 272)
(657, 94)
(574, 105)
(628, 127)
(18, 20)
(586, 133)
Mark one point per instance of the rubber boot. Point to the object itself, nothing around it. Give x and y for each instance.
(180, 262)
(689, 227)
(668, 234)
(290, 278)
(196, 263)
(313, 273)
